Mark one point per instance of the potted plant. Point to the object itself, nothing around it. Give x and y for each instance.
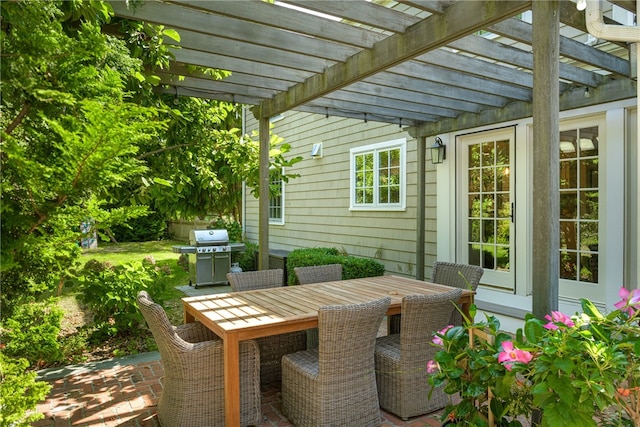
(582, 370)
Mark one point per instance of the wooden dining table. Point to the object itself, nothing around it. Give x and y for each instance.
(239, 316)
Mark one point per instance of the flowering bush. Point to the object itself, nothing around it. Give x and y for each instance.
(581, 370)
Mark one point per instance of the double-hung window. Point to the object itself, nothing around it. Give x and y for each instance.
(276, 197)
(378, 176)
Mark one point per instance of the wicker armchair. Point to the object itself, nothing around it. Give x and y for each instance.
(334, 384)
(272, 348)
(463, 276)
(317, 274)
(193, 384)
(401, 359)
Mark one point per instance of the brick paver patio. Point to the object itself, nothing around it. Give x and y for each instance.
(125, 393)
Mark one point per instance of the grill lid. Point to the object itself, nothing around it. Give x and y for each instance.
(208, 237)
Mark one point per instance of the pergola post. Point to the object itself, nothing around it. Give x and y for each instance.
(263, 201)
(546, 156)
(420, 211)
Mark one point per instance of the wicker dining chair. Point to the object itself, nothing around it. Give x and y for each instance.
(193, 384)
(335, 384)
(463, 276)
(401, 359)
(272, 348)
(317, 274)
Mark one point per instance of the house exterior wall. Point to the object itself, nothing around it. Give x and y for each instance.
(317, 204)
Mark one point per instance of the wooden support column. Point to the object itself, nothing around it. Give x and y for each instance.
(420, 201)
(546, 156)
(263, 202)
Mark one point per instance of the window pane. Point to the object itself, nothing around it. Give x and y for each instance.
(474, 156)
(568, 265)
(588, 141)
(589, 205)
(474, 254)
(502, 153)
(502, 259)
(488, 179)
(502, 179)
(474, 205)
(488, 257)
(568, 144)
(568, 235)
(568, 205)
(488, 206)
(589, 173)
(488, 154)
(474, 230)
(568, 174)
(474, 180)
(488, 231)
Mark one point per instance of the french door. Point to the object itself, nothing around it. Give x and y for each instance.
(486, 207)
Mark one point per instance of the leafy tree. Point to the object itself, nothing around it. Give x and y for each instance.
(200, 164)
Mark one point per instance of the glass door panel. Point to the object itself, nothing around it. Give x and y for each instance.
(487, 226)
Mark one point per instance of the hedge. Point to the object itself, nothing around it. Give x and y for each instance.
(352, 267)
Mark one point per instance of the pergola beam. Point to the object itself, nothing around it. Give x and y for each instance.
(459, 20)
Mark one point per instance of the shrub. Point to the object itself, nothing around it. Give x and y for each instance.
(32, 332)
(111, 291)
(246, 258)
(19, 392)
(234, 228)
(352, 267)
(146, 228)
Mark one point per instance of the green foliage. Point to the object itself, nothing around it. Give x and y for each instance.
(69, 139)
(247, 258)
(234, 228)
(32, 332)
(582, 370)
(142, 229)
(19, 393)
(111, 291)
(352, 267)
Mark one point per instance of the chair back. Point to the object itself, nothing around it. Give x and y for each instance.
(250, 280)
(347, 338)
(422, 315)
(463, 276)
(161, 328)
(318, 273)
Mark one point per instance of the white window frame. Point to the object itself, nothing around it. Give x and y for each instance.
(375, 149)
(274, 220)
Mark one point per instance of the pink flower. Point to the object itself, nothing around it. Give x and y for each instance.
(432, 366)
(510, 355)
(558, 317)
(437, 338)
(630, 302)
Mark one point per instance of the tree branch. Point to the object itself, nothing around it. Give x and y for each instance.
(14, 124)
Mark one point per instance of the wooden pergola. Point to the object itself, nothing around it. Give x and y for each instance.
(432, 66)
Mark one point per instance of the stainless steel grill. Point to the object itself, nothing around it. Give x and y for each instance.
(209, 257)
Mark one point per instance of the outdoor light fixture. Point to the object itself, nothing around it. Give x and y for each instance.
(581, 4)
(316, 150)
(438, 151)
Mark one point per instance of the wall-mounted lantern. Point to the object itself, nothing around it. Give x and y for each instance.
(438, 151)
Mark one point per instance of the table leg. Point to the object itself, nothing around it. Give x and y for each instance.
(231, 380)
